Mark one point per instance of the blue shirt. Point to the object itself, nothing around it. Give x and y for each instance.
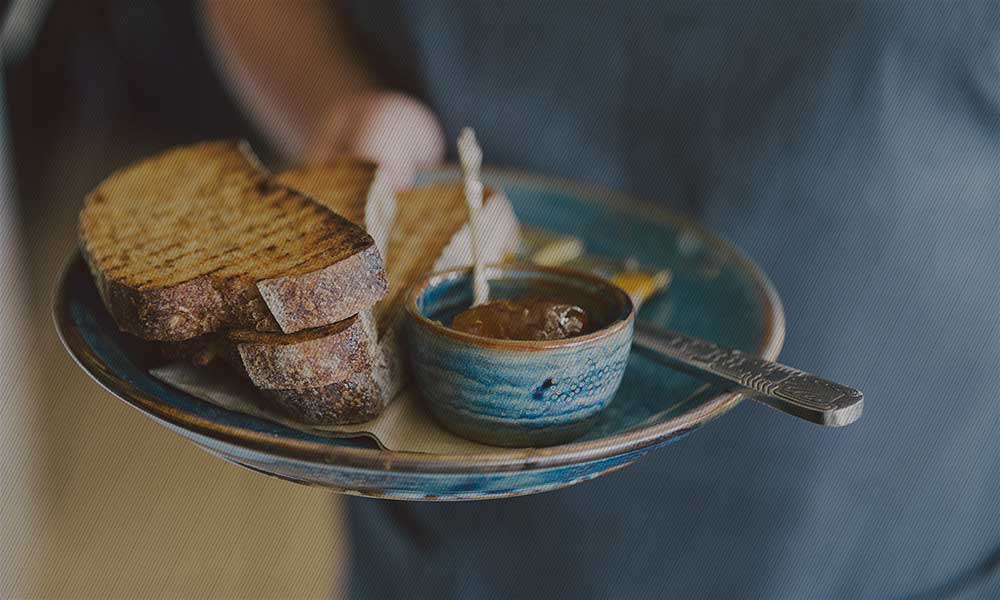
(854, 151)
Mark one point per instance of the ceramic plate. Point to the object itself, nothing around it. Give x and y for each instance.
(716, 293)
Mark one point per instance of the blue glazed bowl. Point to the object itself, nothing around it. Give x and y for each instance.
(514, 392)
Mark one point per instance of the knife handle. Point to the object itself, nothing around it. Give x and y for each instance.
(789, 390)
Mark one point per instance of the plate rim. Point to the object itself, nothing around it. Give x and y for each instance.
(503, 459)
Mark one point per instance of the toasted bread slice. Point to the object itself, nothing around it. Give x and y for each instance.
(200, 239)
(430, 233)
(348, 372)
(353, 396)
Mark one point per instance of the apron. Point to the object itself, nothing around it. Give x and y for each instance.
(853, 150)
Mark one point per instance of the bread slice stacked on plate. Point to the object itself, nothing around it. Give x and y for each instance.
(429, 232)
(201, 249)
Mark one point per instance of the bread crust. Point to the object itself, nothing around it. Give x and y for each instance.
(357, 396)
(343, 288)
(312, 358)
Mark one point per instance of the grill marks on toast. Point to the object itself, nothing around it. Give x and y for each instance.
(281, 233)
(342, 186)
(208, 211)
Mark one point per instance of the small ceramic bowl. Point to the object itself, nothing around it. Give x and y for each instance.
(513, 392)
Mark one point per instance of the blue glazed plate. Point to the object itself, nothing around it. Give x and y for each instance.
(716, 293)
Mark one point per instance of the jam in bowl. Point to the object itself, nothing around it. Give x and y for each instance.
(527, 318)
(533, 367)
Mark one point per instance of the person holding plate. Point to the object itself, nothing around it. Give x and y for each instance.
(850, 148)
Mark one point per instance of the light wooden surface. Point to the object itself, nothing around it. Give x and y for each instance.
(119, 507)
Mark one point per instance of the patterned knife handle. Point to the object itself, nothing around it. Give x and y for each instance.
(788, 390)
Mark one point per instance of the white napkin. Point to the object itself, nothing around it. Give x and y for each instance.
(404, 426)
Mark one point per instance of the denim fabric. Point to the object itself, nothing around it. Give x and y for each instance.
(853, 150)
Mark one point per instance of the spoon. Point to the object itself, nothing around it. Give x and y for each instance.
(789, 390)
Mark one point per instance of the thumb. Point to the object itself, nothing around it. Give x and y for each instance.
(396, 131)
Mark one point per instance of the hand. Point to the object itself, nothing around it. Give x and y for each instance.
(397, 131)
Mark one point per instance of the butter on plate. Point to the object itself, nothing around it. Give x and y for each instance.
(542, 247)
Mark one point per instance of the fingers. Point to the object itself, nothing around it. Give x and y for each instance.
(398, 132)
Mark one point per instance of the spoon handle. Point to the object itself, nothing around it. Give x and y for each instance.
(784, 388)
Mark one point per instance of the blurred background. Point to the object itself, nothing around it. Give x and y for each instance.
(95, 499)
